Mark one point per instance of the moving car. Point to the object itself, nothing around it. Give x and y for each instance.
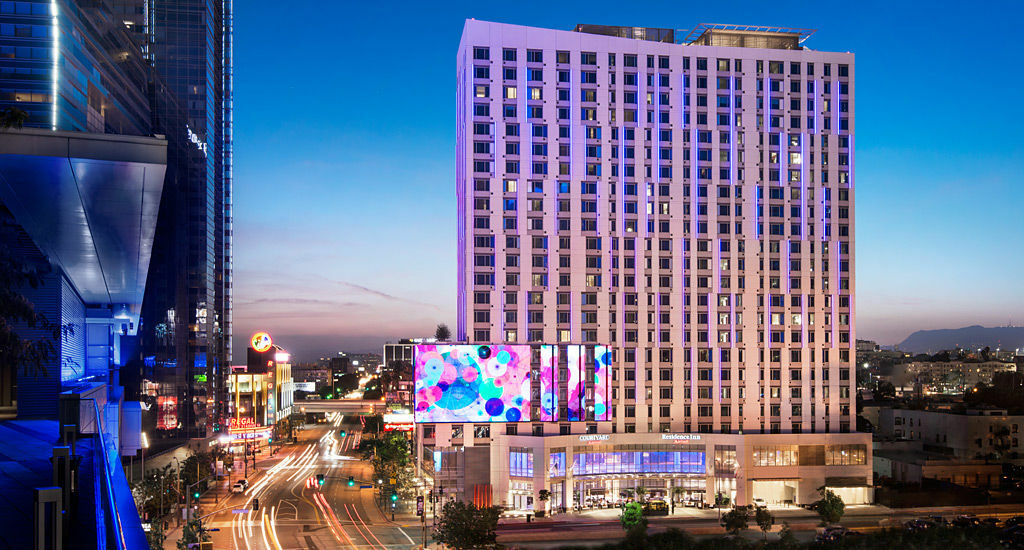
(240, 486)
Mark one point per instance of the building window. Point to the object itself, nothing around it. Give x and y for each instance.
(520, 463)
(776, 455)
(845, 455)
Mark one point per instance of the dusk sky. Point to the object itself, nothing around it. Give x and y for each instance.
(344, 189)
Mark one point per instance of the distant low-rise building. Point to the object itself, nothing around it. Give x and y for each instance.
(975, 433)
(944, 377)
(909, 466)
(867, 345)
(311, 372)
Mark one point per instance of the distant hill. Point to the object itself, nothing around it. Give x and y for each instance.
(933, 341)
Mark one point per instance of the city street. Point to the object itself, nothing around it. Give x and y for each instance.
(294, 512)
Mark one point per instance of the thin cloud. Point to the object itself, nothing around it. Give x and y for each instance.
(384, 295)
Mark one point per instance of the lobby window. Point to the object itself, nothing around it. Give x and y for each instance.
(520, 463)
(481, 431)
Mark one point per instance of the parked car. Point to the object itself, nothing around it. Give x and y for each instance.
(966, 521)
(937, 520)
(832, 534)
(656, 508)
(759, 502)
(1014, 521)
(990, 522)
(918, 525)
(238, 487)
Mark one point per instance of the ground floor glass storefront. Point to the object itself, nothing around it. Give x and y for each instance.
(609, 475)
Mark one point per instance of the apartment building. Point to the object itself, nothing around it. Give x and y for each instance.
(685, 198)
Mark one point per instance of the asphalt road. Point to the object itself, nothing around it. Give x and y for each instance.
(295, 512)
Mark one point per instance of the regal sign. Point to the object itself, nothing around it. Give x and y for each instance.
(261, 341)
(242, 424)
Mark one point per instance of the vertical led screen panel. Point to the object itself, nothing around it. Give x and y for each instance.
(464, 383)
(548, 383)
(602, 381)
(574, 364)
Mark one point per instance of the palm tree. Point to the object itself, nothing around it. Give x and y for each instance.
(676, 493)
(641, 493)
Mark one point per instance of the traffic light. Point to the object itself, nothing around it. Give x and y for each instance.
(320, 479)
(342, 433)
(255, 504)
(195, 494)
(351, 481)
(394, 496)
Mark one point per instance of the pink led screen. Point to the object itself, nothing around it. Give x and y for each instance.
(602, 376)
(548, 383)
(574, 364)
(467, 383)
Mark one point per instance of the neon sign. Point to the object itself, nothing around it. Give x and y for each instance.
(242, 424)
(261, 341)
(194, 139)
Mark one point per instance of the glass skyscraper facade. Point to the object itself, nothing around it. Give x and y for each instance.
(187, 339)
(149, 67)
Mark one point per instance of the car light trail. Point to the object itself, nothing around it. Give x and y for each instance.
(353, 519)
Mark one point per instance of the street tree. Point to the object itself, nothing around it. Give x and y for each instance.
(736, 520)
(632, 518)
(155, 492)
(465, 526)
(765, 520)
(192, 533)
(443, 333)
(543, 495)
(347, 382)
(156, 535)
(830, 506)
(390, 457)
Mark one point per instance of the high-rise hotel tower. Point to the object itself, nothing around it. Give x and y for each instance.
(687, 199)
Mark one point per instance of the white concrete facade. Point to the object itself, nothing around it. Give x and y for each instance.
(711, 246)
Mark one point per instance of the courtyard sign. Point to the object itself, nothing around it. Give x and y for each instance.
(592, 437)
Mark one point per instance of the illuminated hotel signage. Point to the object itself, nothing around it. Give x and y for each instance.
(592, 437)
(681, 437)
(261, 342)
(193, 138)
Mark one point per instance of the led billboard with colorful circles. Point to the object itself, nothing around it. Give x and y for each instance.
(467, 383)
